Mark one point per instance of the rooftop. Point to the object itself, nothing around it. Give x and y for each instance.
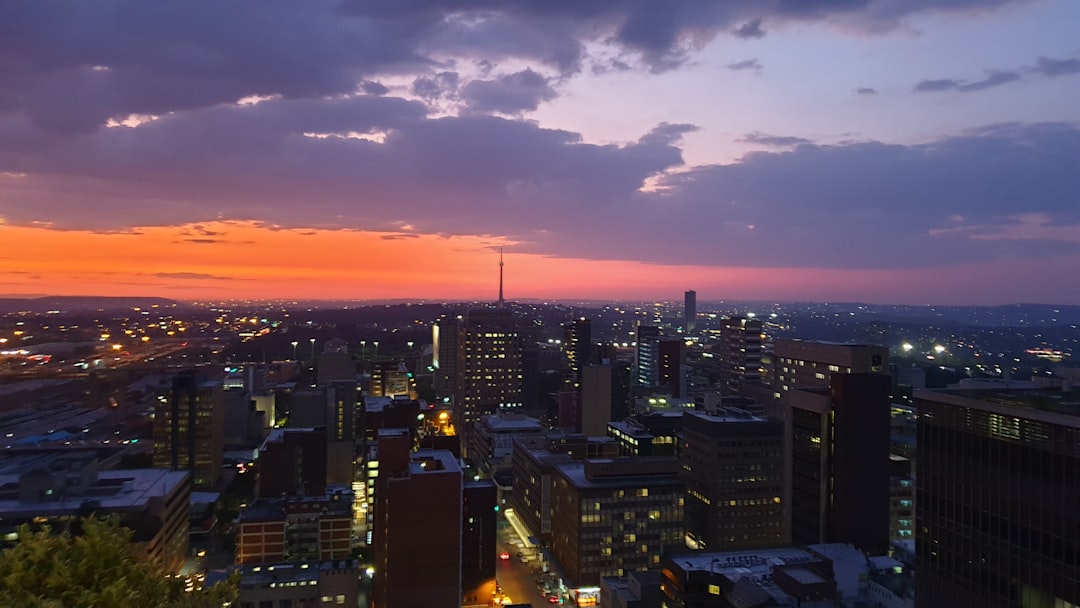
(1045, 405)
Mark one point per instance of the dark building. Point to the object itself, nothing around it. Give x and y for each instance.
(669, 366)
(294, 462)
(759, 578)
(577, 351)
(690, 311)
(189, 429)
(478, 536)
(997, 495)
(840, 463)
(417, 531)
(733, 467)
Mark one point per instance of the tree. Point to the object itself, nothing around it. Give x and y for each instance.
(48, 568)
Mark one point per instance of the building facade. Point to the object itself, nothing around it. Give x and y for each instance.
(733, 467)
(997, 495)
(189, 429)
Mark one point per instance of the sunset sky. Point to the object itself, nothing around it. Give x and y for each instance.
(863, 150)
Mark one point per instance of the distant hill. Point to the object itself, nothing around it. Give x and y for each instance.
(74, 304)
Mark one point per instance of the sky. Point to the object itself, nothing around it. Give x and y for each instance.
(885, 151)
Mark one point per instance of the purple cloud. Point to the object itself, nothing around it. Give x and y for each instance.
(510, 94)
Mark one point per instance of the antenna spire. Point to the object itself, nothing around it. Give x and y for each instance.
(502, 303)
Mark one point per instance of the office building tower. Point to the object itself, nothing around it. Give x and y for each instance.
(733, 467)
(336, 408)
(840, 467)
(739, 351)
(417, 534)
(613, 516)
(648, 345)
(447, 337)
(669, 368)
(189, 429)
(335, 363)
(997, 521)
(490, 366)
(479, 511)
(690, 312)
(577, 351)
(596, 381)
(805, 364)
(294, 461)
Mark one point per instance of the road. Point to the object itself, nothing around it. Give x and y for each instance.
(519, 581)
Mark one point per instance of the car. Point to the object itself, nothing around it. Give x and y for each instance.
(504, 556)
(553, 599)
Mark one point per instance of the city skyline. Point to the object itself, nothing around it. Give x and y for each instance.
(865, 152)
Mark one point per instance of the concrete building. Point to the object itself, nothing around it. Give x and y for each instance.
(335, 364)
(392, 379)
(733, 467)
(479, 533)
(690, 311)
(840, 467)
(55, 488)
(492, 441)
(294, 461)
(417, 533)
(614, 516)
(301, 584)
(596, 399)
(647, 356)
(997, 521)
(189, 429)
(296, 528)
(739, 351)
(804, 364)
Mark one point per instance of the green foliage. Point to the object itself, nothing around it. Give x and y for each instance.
(97, 569)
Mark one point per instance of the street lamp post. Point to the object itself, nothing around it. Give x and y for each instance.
(376, 355)
(312, 349)
(363, 349)
(294, 344)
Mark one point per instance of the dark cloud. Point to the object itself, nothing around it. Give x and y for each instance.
(69, 67)
(865, 91)
(993, 78)
(374, 163)
(441, 85)
(773, 140)
(667, 134)
(749, 30)
(746, 64)
(1058, 67)
(510, 94)
(374, 88)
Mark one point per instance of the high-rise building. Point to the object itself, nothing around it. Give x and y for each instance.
(189, 429)
(490, 366)
(804, 364)
(648, 346)
(417, 526)
(478, 537)
(690, 311)
(733, 466)
(741, 339)
(613, 516)
(335, 363)
(392, 379)
(577, 351)
(596, 381)
(997, 488)
(840, 467)
(669, 369)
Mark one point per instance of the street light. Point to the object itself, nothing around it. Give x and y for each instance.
(294, 344)
(376, 356)
(363, 349)
(312, 349)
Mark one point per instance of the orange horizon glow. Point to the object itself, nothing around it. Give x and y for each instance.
(232, 260)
